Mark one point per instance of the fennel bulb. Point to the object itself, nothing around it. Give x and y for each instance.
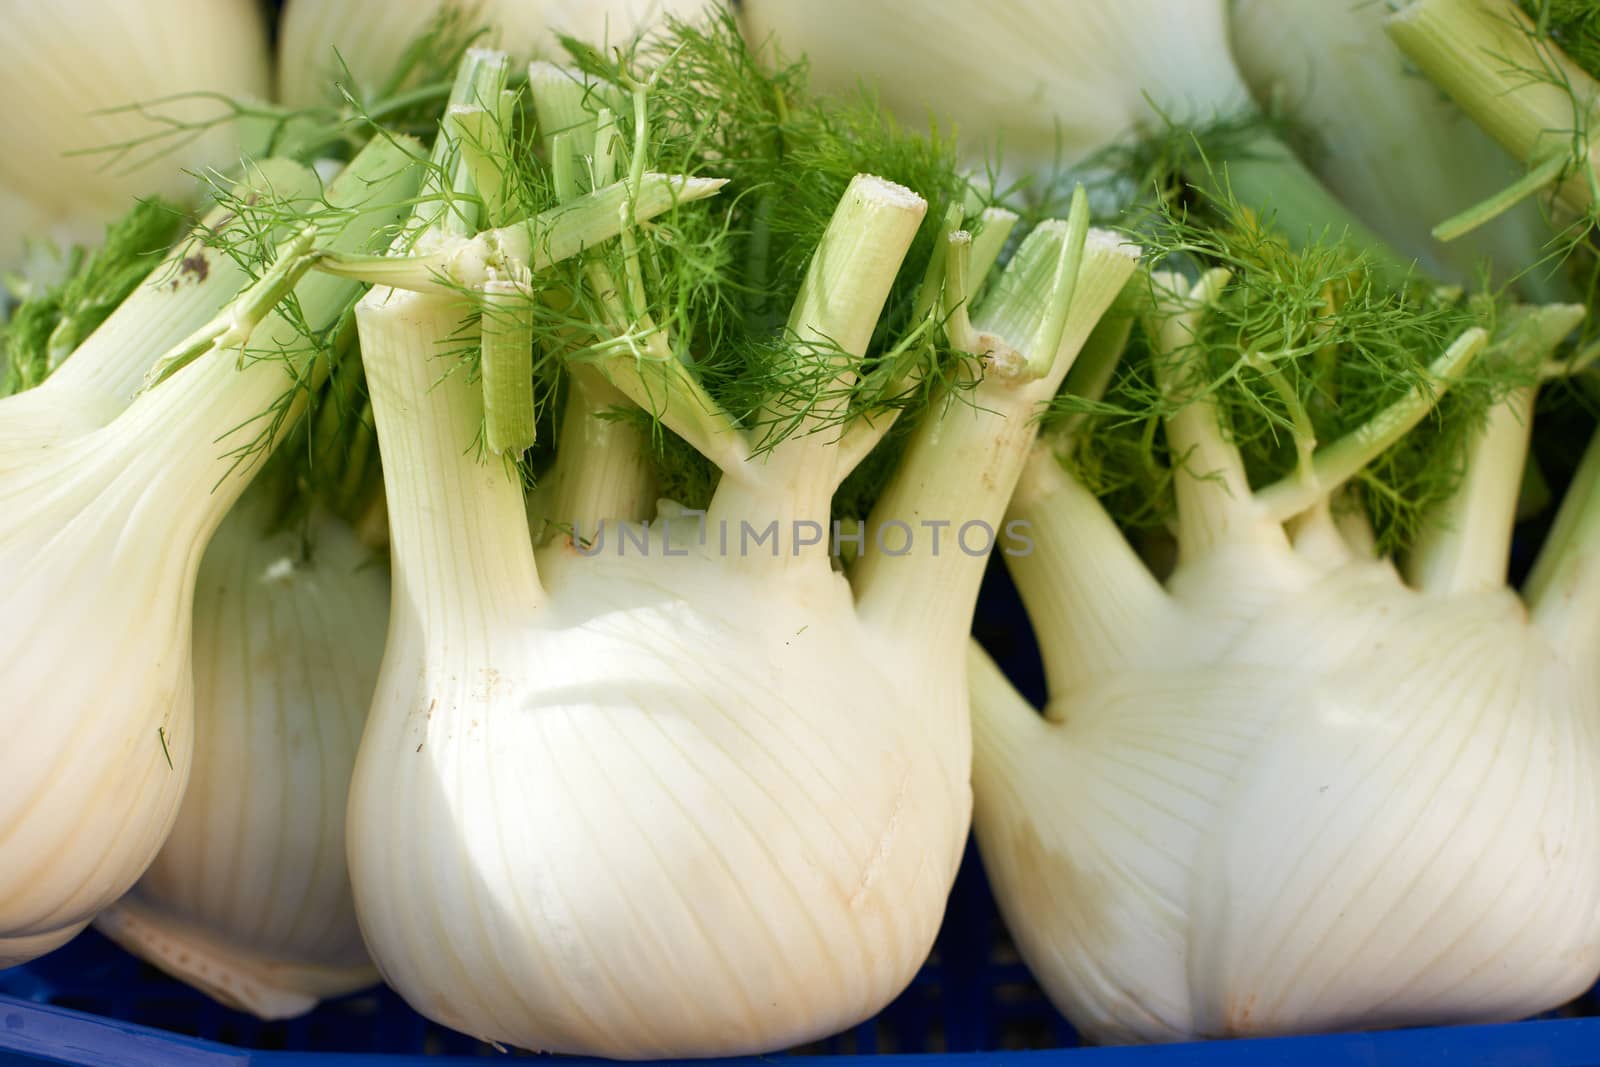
(1288, 791)
(372, 37)
(613, 22)
(698, 801)
(1032, 82)
(249, 899)
(782, 764)
(78, 72)
(104, 532)
(1037, 88)
(1386, 143)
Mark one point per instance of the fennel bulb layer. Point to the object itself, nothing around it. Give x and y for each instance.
(1388, 144)
(249, 899)
(104, 534)
(796, 808)
(1033, 81)
(76, 71)
(322, 39)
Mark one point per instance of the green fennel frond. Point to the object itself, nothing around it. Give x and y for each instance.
(1572, 24)
(722, 273)
(1299, 348)
(46, 328)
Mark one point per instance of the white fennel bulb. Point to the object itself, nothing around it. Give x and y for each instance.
(249, 899)
(1036, 87)
(1387, 142)
(103, 532)
(1035, 79)
(617, 21)
(1287, 791)
(706, 802)
(321, 38)
(73, 69)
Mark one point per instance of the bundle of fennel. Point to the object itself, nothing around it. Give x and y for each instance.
(531, 557)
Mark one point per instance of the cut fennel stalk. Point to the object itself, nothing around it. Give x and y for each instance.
(1287, 792)
(104, 531)
(1520, 88)
(695, 803)
(602, 471)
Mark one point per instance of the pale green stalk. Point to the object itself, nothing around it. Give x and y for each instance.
(606, 476)
(988, 239)
(601, 472)
(965, 457)
(1089, 620)
(1523, 91)
(507, 368)
(362, 199)
(1334, 464)
(1466, 543)
(1213, 492)
(832, 318)
(190, 286)
(531, 246)
(1563, 592)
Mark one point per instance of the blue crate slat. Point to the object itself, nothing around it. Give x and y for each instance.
(44, 1034)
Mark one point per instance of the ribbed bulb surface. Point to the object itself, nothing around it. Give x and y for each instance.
(94, 622)
(635, 805)
(1355, 806)
(683, 814)
(100, 540)
(249, 899)
(75, 67)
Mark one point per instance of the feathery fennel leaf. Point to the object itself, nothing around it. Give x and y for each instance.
(46, 328)
(1572, 24)
(1299, 348)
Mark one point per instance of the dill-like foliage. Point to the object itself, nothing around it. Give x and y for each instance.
(716, 111)
(717, 277)
(330, 458)
(321, 360)
(1572, 24)
(45, 328)
(1300, 348)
